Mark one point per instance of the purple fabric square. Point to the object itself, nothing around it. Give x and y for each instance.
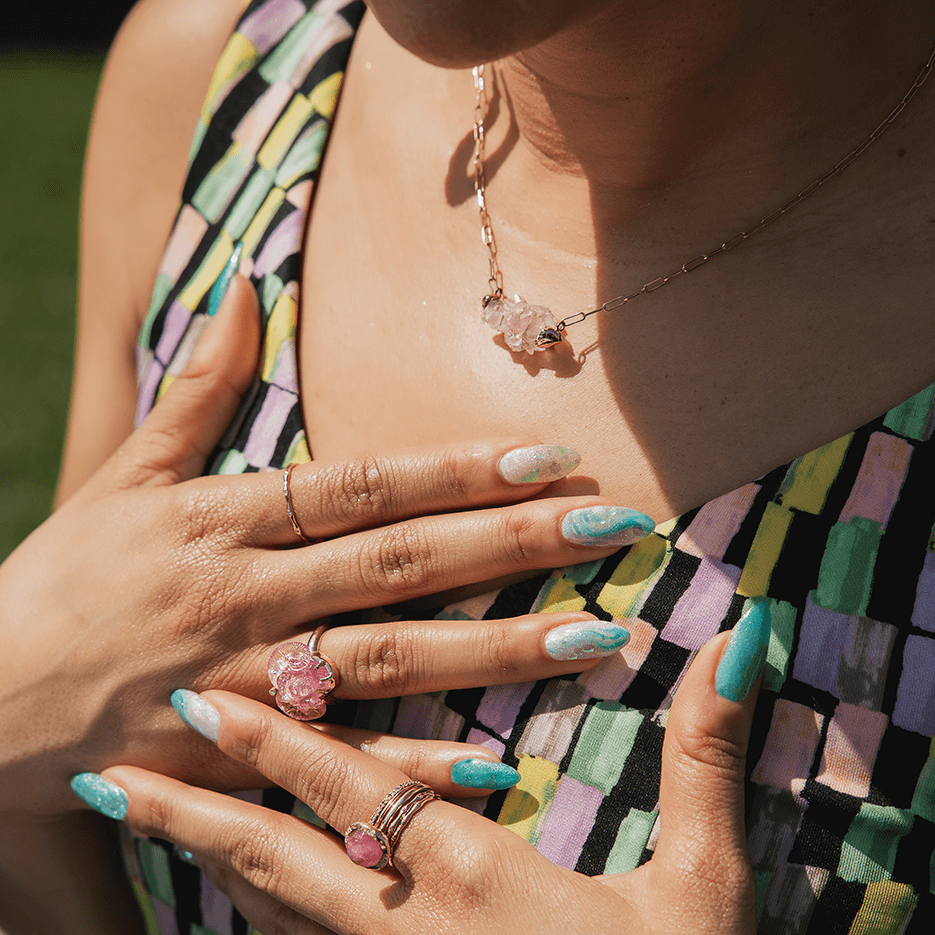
(699, 611)
(821, 644)
(271, 22)
(923, 614)
(915, 697)
(568, 821)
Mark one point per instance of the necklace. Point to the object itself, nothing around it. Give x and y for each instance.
(532, 328)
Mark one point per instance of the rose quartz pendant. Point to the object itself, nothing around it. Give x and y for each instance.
(524, 327)
(301, 679)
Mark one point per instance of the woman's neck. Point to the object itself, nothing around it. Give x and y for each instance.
(716, 103)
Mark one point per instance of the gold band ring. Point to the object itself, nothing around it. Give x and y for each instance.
(290, 509)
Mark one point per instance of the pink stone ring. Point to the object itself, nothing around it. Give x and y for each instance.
(371, 843)
(302, 678)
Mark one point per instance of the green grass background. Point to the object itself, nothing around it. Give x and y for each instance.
(46, 100)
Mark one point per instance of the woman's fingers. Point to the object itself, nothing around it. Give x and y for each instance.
(453, 770)
(340, 784)
(300, 866)
(332, 498)
(701, 853)
(386, 660)
(175, 439)
(432, 554)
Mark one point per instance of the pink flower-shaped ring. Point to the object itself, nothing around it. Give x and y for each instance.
(302, 678)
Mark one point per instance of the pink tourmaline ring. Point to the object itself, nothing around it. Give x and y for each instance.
(371, 843)
(302, 678)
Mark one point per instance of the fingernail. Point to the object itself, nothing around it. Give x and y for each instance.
(223, 281)
(101, 794)
(585, 640)
(538, 464)
(483, 774)
(745, 654)
(197, 713)
(606, 526)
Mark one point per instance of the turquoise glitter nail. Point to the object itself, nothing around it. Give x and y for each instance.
(604, 526)
(197, 713)
(101, 794)
(585, 639)
(219, 288)
(476, 773)
(745, 654)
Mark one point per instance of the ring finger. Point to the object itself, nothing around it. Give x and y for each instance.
(387, 660)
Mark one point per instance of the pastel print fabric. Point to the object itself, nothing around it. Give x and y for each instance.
(841, 786)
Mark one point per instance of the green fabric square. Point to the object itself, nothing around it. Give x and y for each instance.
(923, 800)
(913, 418)
(846, 572)
(155, 863)
(288, 53)
(215, 192)
(604, 745)
(250, 201)
(631, 841)
(868, 852)
(782, 633)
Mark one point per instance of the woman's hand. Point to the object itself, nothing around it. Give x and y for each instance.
(455, 871)
(150, 578)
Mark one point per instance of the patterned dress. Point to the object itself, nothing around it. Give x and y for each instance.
(841, 782)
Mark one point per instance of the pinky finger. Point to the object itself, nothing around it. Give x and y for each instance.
(265, 914)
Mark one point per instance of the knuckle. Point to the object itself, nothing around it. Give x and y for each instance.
(475, 870)
(399, 561)
(695, 747)
(380, 663)
(247, 738)
(361, 490)
(517, 539)
(450, 480)
(159, 819)
(497, 652)
(319, 773)
(259, 864)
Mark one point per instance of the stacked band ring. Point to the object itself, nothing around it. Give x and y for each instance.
(302, 678)
(371, 843)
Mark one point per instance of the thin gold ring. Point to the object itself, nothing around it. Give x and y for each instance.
(290, 509)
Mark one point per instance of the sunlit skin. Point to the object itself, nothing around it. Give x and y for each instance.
(625, 138)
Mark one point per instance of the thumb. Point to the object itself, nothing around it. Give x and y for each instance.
(701, 797)
(174, 441)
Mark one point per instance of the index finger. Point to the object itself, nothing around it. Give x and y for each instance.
(332, 498)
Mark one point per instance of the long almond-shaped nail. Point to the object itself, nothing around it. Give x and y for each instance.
(223, 281)
(538, 464)
(197, 713)
(101, 794)
(745, 654)
(585, 639)
(478, 773)
(604, 526)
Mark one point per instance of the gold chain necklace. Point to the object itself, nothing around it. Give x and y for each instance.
(532, 328)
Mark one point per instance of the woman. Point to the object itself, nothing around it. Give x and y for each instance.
(623, 142)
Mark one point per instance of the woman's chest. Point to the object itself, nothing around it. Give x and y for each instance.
(754, 359)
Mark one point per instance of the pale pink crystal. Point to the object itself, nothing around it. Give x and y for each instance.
(519, 322)
(363, 848)
(300, 680)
